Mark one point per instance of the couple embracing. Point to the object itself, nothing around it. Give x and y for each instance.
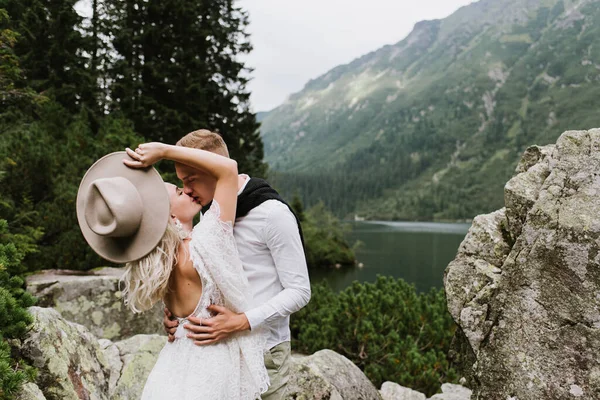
(228, 284)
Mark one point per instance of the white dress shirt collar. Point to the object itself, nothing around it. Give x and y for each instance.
(247, 178)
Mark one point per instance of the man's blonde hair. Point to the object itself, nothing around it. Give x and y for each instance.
(204, 139)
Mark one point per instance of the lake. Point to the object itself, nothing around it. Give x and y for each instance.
(418, 252)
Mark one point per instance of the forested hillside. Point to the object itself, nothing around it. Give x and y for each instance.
(431, 128)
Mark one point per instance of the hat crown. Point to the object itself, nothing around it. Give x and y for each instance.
(122, 212)
(113, 207)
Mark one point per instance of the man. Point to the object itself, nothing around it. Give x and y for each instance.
(268, 238)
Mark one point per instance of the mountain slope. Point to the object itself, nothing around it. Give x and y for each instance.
(432, 127)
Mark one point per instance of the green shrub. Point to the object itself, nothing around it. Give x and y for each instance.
(14, 318)
(386, 328)
(15, 244)
(324, 236)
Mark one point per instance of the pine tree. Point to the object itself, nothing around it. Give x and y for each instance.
(14, 317)
(14, 301)
(178, 70)
(13, 246)
(53, 51)
(14, 96)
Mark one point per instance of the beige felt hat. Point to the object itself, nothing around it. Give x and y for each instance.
(122, 212)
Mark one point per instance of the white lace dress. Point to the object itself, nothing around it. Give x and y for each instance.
(227, 370)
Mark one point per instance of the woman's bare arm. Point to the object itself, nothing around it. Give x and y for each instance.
(222, 168)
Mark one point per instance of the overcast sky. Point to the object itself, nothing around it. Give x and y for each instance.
(298, 40)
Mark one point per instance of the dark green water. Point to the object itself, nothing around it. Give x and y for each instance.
(418, 252)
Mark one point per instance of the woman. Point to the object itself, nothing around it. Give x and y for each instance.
(190, 272)
(176, 282)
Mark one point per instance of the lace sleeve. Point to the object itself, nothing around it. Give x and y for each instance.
(214, 252)
(213, 248)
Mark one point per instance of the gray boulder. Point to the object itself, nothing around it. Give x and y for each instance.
(70, 362)
(524, 285)
(328, 375)
(73, 364)
(452, 392)
(30, 391)
(131, 361)
(93, 299)
(393, 391)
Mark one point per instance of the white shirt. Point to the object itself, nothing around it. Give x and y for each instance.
(271, 251)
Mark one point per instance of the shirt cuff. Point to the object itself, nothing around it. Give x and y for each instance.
(254, 317)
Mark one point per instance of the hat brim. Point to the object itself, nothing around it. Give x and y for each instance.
(155, 213)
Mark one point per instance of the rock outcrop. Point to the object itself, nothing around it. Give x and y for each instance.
(70, 362)
(73, 364)
(130, 362)
(93, 299)
(524, 287)
(30, 391)
(393, 391)
(452, 392)
(327, 375)
(86, 344)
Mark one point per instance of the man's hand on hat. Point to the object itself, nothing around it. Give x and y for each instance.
(145, 155)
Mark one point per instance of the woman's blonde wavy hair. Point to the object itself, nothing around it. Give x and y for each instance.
(146, 280)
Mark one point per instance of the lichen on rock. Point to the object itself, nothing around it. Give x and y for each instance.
(70, 362)
(94, 299)
(530, 309)
(393, 391)
(328, 375)
(73, 364)
(132, 361)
